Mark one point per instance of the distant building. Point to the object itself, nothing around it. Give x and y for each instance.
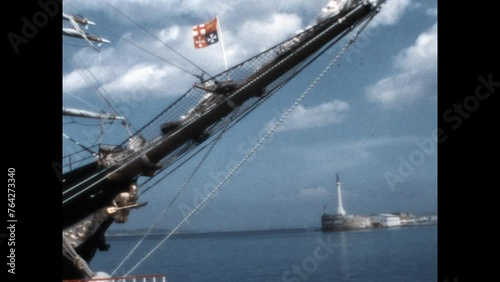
(341, 220)
(404, 215)
(385, 220)
(427, 219)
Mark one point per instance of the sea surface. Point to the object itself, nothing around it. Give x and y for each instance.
(394, 254)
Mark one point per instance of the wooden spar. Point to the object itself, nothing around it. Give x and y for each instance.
(87, 114)
(82, 21)
(79, 34)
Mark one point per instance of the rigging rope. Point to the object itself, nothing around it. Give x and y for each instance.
(76, 45)
(162, 214)
(153, 54)
(72, 8)
(106, 99)
(155, 37)
(78, 143)
(83, 101)
(174, 169)
(103, 174)
(89, 82)
(257, 146)
(81, 123)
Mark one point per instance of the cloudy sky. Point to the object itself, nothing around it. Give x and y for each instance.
(372, 118)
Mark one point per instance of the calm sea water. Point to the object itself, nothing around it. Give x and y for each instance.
(394, 254)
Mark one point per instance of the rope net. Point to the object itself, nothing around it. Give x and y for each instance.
(211, 92)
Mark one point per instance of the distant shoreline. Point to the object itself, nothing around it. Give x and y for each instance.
(133, 233)
(164, 232)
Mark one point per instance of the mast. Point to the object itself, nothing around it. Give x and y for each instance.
(219, 31)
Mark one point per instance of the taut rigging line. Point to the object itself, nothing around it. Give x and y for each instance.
(155, 37)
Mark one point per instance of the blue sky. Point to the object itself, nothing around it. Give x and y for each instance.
(372, 118)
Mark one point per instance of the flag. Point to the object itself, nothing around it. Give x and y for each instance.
(205, 34)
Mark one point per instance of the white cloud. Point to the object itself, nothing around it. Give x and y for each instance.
(431, 12)
(343, 156)
(422, 55)
(148, 11)
(260, 35)
(248, 28)
(360, 145)
(133, 69)
(251, 37)
(391, 12)
(323, 115)
(82, 78)
(148, 77)
(170, 33)
(314, 192)
(74, 81)
(415, 75)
